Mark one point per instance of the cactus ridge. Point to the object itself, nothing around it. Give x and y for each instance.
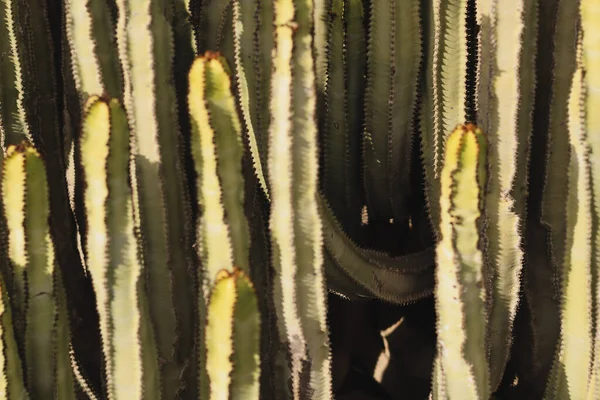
(185, 184)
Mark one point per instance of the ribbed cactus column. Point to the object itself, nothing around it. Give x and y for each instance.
(575, 372)
(590, 15)
(505, 94)
(444, 102)
(11, 374)
(232, 338)
(161, 204)
(300, 292)
(342, 117)
(217, 150)
(394, 56)
(253, 43)
(38, 282)
(130, 358)
(460, 294)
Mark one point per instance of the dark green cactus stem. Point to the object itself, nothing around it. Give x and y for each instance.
(505, 89)
(253, 44)
(399, 280)
(31, 254)
(344, 71)
(130, 359)
(460, 296)
(13, 78)
(232, 338)
(11, 374)
(390, 100)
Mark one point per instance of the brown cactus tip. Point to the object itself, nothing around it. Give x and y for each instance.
(212, 55)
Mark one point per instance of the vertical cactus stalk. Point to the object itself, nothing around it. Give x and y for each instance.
(554, 201)
(31, 252)
(394, 55)
(253, 43)
(130, 359)
(505, 89)
(344, 89)
(460, 295)
(13, 88)
(590, 14)
(161, 204)
(232, 338)
(11, 374)
(92, 44)
(300, 293)
(223, 231)
(445, 96)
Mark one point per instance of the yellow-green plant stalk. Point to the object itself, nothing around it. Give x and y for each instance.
(575, 372)
(390, 101)
(295, 225)
(505, 94)
(130, 357)
(444, 103)
(232, 338)
(459, 292)
(37, 282)
(590, 15)
(217, 150)
(161, 204)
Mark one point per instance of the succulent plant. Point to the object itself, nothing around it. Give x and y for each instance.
(299, 199)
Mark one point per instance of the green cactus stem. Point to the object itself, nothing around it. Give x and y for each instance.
(444, 103)
(505, 89)
(253, 43)
(460, 295)
(295, 226)
(130, 359)
(390, 101)
(37, 281)
(232, 338)
(161, 204)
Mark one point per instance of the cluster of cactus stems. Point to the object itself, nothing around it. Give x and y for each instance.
(183, 183)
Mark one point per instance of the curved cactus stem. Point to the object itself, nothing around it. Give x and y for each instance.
(505, 93)
(390, 101)
(232, 338)
(459, 293)
(130, 359)
(398, 280)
